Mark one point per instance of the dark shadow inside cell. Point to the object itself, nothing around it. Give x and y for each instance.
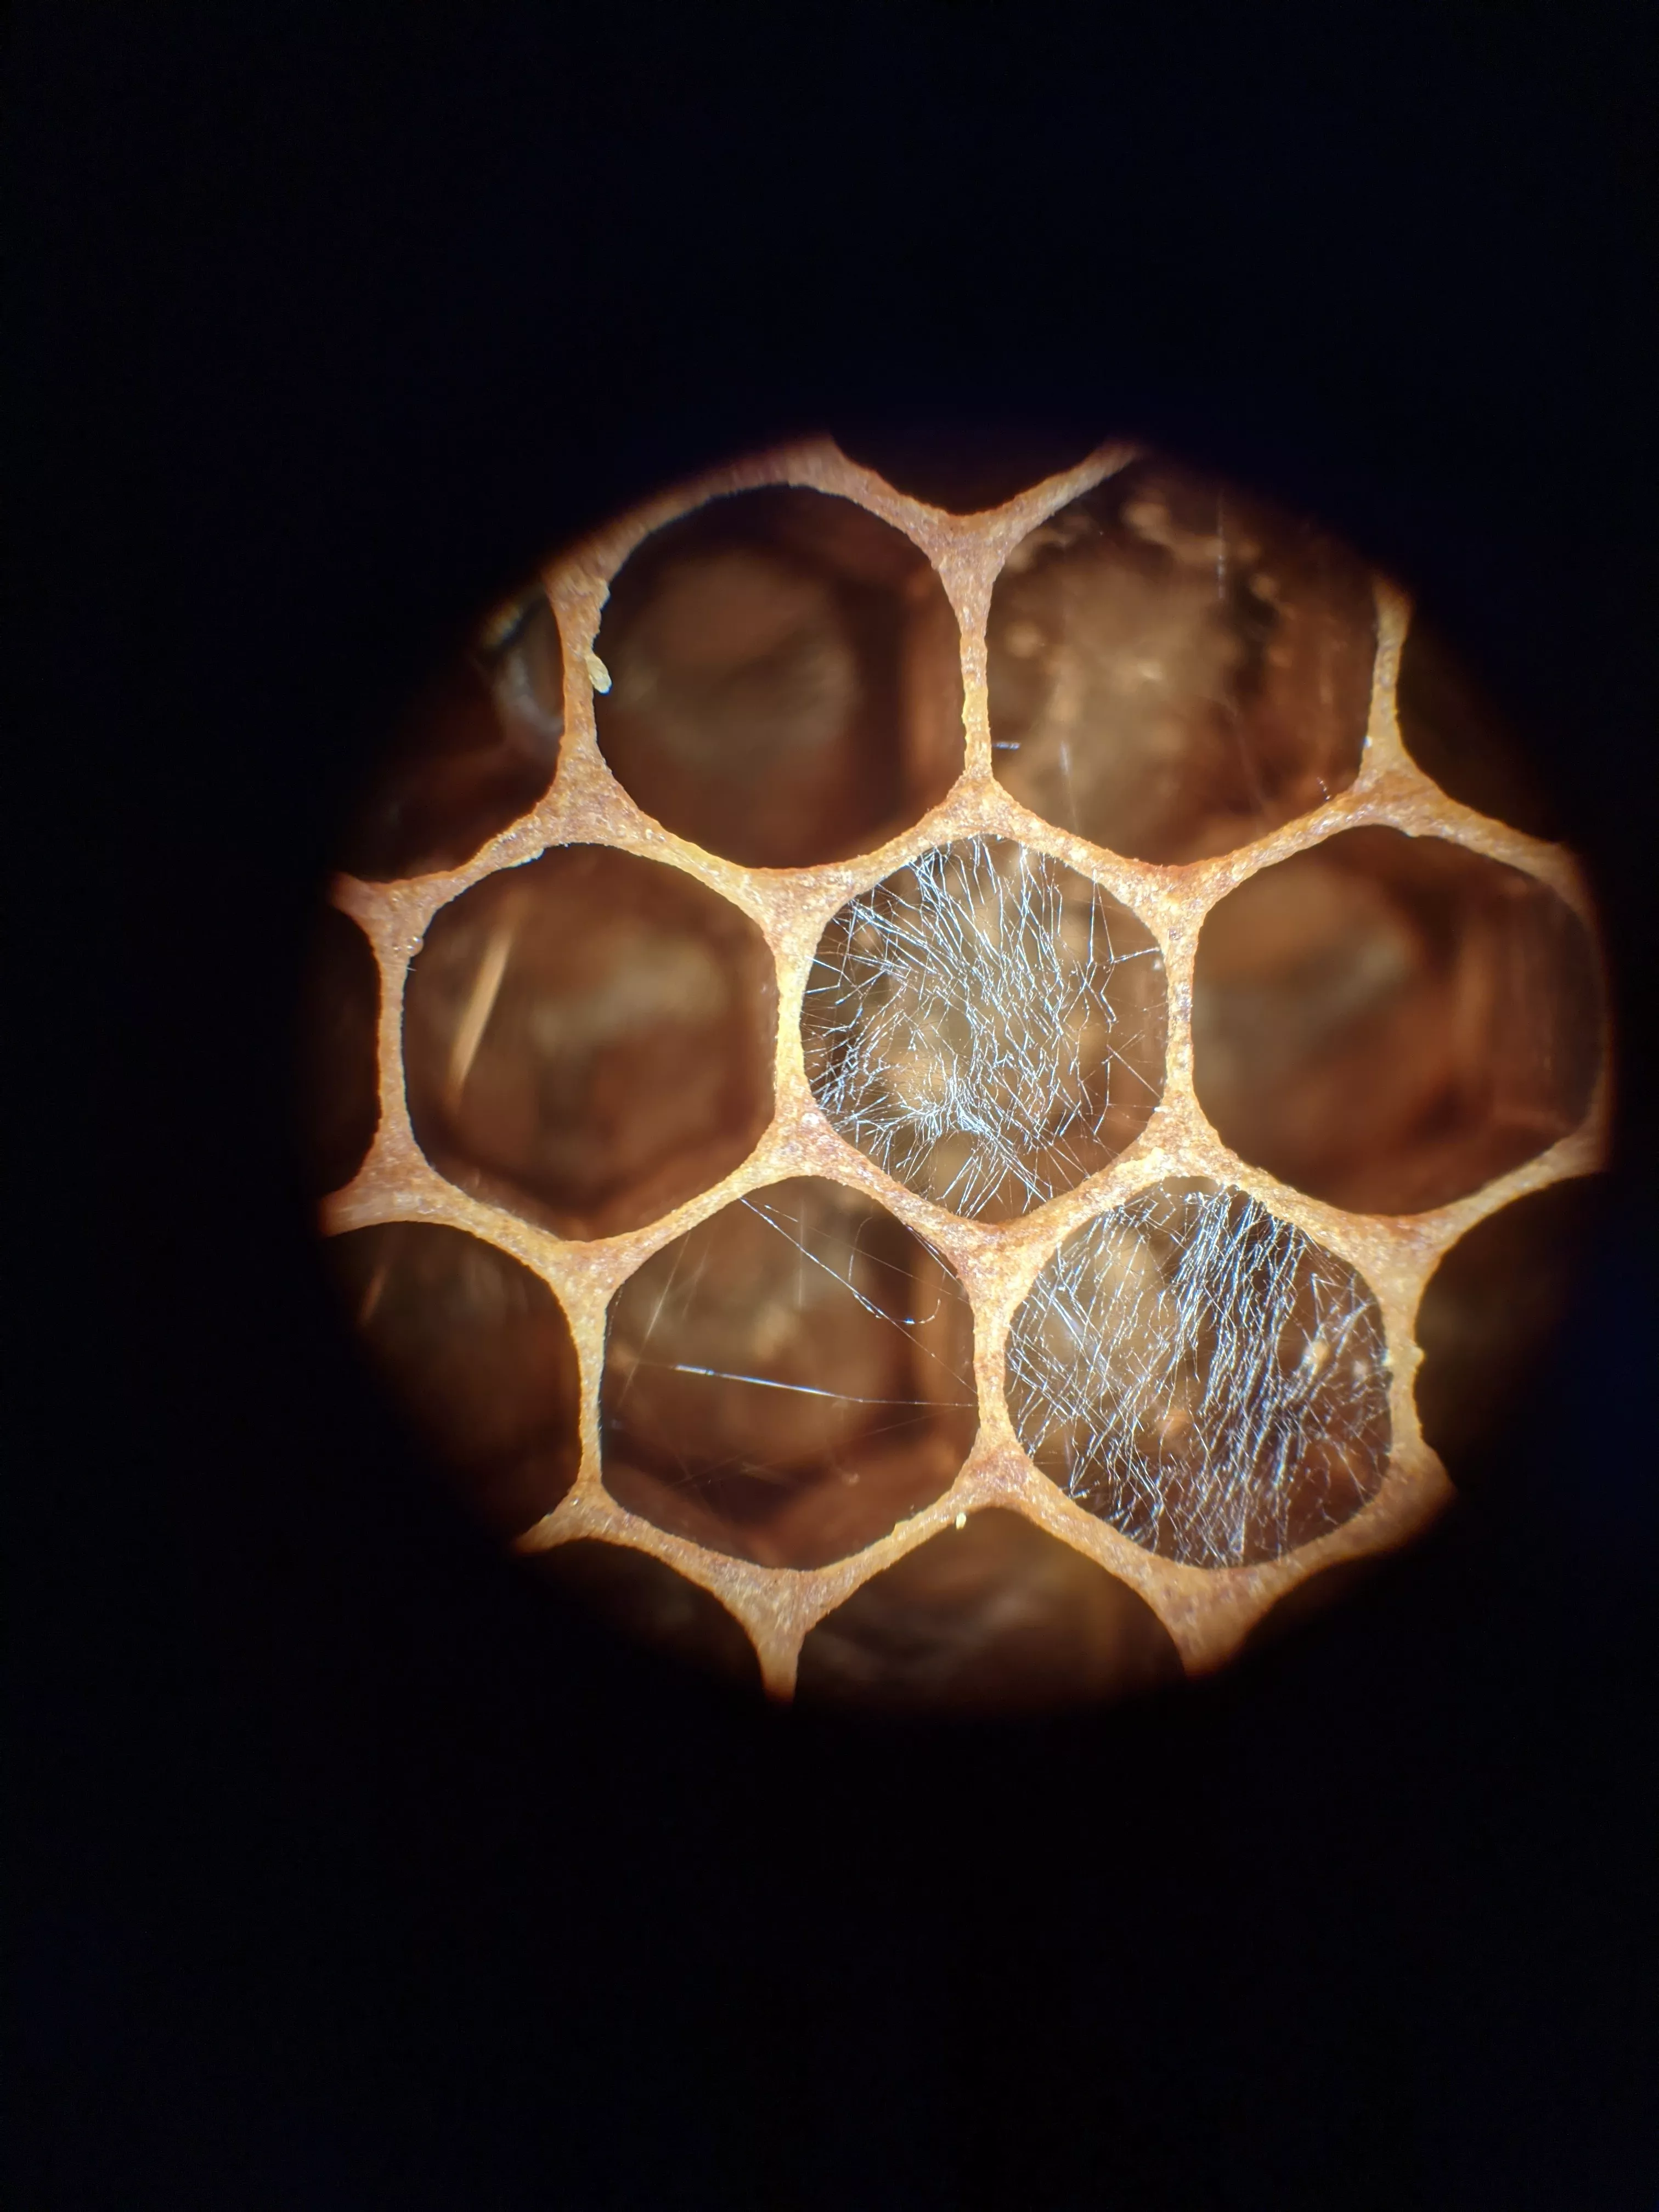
(476, 750)
(1389, 1022)
(963, 468)
(589, 1039)
(1489, 1312)
(643, 1599)
(479, 1352)
(1176, 667)
(788, 1379)
(995, 1617)
(1199, 1372)
(785, 683)
(1456, 733)
(988, 1025)
(338, 1101)
(1315, 1596)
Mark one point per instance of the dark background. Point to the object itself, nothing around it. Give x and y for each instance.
(356, 1872)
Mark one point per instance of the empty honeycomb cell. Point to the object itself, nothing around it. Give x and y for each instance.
(589, 1039)
(640, 1598)
(995, 1617)
(1456, 733)
(1176, 667)
(1202, 1375)
(1389, 1022)
(338, 1083)
(789, 1378)
(479, 1352)
(476, 750)
(987, 1024)
(1489, 1309)
(785, 683)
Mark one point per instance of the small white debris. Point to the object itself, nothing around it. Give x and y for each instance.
(597, 674)
(962, 1520)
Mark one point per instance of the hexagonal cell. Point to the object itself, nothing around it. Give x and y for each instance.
(338, 1094)
(589, 1039)
(476, 750)
(1456, 733)
(995, 1617)
(987, 1025)
(1389, 1022)
(479, 1352)
(1203, 1376)
(641, 1598)
(1178, 667)
(963, 467)
(1489, 1309)
(789, 1378)
(786, 679)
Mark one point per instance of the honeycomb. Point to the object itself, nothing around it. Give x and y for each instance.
(918, 1066)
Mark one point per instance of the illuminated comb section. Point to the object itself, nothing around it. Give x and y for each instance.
(900, 1030)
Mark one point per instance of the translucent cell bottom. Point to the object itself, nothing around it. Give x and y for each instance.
(1202, 1375)
(785, 684)
(1389, 1022)
(480, 1355)
(987, 1025)
(1175, 667)
(789, 1378)
(589, 1039)
(996, 1616)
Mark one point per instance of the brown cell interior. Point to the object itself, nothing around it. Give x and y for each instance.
(640, 1598)
(995, 1617)
(1201, 1374)
(786, 684)
(337, 1088)
(589, 1039)
(1489, 1309)
(789, 1378)
(479, 1353)
(988, 1025)
(1456, 733)
(961, 469)
(476, 750)
(1388, 1022)
(1176, 667)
